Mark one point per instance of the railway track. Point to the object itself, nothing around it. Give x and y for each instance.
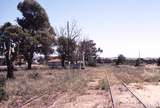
(36, 98)
(31, 100)
(121, 82)
(110, 91)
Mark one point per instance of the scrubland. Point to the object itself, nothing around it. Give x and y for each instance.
(44, 87)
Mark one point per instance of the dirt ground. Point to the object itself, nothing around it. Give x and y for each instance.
(93, 96)
(84, 88)
(148, 93)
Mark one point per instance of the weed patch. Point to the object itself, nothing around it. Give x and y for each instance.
(103, 85)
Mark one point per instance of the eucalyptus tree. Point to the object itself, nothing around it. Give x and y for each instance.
(9, 38)
(89, 49)
(36, 22)
(67, 43)
(121, 59)
(158, 61)
(65, 52)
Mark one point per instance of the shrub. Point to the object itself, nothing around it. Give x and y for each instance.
(34, 75)
(70, 81)
(92, 61)
(138, 62)
(158, 61)
(121, 59)
(103, 85)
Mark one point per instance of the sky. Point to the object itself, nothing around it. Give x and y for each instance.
(117, 26)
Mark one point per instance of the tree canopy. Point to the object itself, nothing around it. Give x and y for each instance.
(34, 34)
(88, 48)
(121, 59)
(10, 39)
(35, 21)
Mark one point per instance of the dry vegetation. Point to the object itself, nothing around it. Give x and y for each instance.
(34, 83)
(48, 83)
(131, 74)
(103, 84)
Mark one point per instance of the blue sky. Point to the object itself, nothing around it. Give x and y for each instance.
(117, 26)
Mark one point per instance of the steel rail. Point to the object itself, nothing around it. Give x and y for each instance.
(110, 91)
(125, 85)
(31, 100)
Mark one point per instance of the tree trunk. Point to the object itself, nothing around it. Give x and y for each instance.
(10, 73)
(29, 64)
(30, 60)
(63, 63)
(45, 59)
(9, 61)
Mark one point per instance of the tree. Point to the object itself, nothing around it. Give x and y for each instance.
(63, 50)
(36, 22)
(138, 62)
(158, 61)
(67, 42)
(88, 48)
(121, 59)
(46, 42)
(9, 37)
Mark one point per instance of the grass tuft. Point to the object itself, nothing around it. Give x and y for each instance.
(103, 85)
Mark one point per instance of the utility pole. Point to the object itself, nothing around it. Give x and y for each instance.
(139, 54)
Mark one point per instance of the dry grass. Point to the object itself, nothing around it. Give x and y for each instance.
(32, 83)
(131, 74)
(71, 81)
(103, 85)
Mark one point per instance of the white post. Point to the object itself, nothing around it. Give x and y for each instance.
(83, 59)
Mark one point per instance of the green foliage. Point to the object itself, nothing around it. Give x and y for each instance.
(63, 46)
(9, 36)
(138, 62)
(88, 48)
(34, 16)
(66, 48)
(45, 40)
(121, 59)
(158, 61)
(40, 34)
(103, 85)
(67, 42)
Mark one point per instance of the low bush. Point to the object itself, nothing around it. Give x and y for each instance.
(34, 75)
(103, 85)
(121, 59)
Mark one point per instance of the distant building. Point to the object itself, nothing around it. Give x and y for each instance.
(54, 62)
